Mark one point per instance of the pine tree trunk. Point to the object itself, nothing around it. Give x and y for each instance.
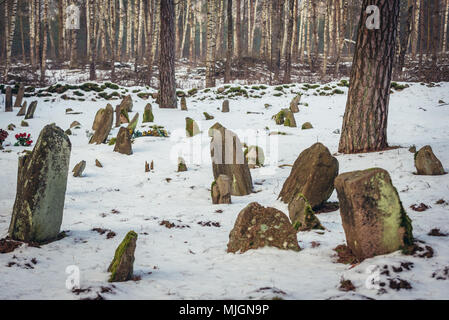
(238, 32)
(44, 42)
(167, 81)
(326, 40)
(184, 33)
(10, 20)
(415, 33)
(31, 13)
(445, 25)
(92, 44)
(229, 43)
(288, 51)
(365, 119)
(277, 7)
(210, 54)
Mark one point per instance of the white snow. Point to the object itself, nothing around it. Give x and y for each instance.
(191, 262)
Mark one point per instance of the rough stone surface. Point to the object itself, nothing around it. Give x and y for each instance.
(133, 123)
(8, 99)
(258, 227)
(123, 142)
(182, 167)
(285, 117)
(75, 124)
(427, 163)
(148, 114)
(22, 110)
(255, 156)
(79, 169)
(374, 220)
(41, 185)
(122, 266)
(302, 216)
(104, 126)
(312, 175)
(117, 116)
(306, 126)
(183, 104)
(19, 97)
(228, 158)
(98, 163)
(225, 107)
(127, 104)
(192, 128)
(221, 190)
(294, 105)
(31, 110)
(208, 116)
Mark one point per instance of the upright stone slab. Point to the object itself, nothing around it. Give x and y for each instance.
(427, 163)
(374, 221)
(31, 110)
(127, 104)
(133, 123)
(79, 169)
(192, 128)
(123, 142)
(41, 186)
(103, 126)
(221, 190)
(19, 97)
(148, 114)
(183, 104)
(228, 158)
(312, 175)
(22, 110)
(117, 116)
(302, 216)
(182, 167)
(8, 99)
(258, 227)
(225, 106)
(122, 266)
(294, 105)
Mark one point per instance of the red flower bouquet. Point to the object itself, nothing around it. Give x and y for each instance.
(23, 140)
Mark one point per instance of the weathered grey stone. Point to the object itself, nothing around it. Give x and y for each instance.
(75, 124)
(208, 116)
(285, 117)
(294, 105)
(19, 97)
(148, 114)
(225, 107)
(255, 156)
(79, 169)
(192, 128)
(306, 126)
(123, 142)
(228, 158)
(258, 227)
(221, 190)
(117, 116)
(127, 104)
(302, 216)
(8, 99)
(31, 110)
(182, 167)
(98, 163)
(103, 126)
(22, 110)
(41, 185)
(427, 163)
(312, 175)
(374, 220)
(122, 266)
(133, 123)
(183, 104)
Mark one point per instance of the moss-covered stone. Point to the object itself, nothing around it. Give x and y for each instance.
(192, 128)
(122, 266)
(306, 126)
(302, 216)
(148, 114)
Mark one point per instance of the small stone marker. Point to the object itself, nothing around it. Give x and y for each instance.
(192, 128)
(31, 110)
(122, 266)
(98, 163)
(225, 106)
(127, 104)
(123, 142)
(8, 99)
(294, 105)
(221, 190)
(427, 163)
(182, 167)
(79, 169)
(302, 216)
(148, 114)
(22, 110)
(183, 104)
(19, 97)
(103, 124)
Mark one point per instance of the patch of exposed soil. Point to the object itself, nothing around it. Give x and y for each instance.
(345, 255)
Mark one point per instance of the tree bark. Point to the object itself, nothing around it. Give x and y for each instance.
(229, 42)
(365, 120)
(167, 55)
(210, 54)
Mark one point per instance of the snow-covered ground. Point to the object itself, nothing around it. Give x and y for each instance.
(191, 262)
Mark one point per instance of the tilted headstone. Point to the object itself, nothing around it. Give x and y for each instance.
(221, 190)
(41, 186)
(8, 99)
(103, 125)
(122, 266)
(19, 97)
(31, 110)
(123, 142)
(22, 110)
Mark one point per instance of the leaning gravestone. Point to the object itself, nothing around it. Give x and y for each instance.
(8, 99)
(294, 105)
(312, 175)
(79, 169)
(22, 110)
(117, 116)
(183, 104)
(182, 167)
(225, 106)
(148, 114)
(374, 221)
(103, 124)
(221, 190)
(127, 104)
(427, 163)
(19, 97)
(258, 227)
(302, 216)
(228, 158)
(123, 142)
(122, 265)
(192, 128)
(31, 110)
(41, 186)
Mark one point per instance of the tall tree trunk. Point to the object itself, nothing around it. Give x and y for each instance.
(10, 20)
(326, 39)
(167, 81)
(92, 43)
(184, 33)
(210, 54)
(31, 13)
(129, 29)
(366, 115)
(238, 32)
(445, 25)
(288, 51)
(276, 9)
(229, 43)
(44, 42)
